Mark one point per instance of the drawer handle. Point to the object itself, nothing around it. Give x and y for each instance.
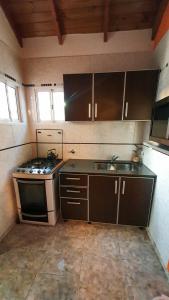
(95, 111)
(126, 109)
(73, 203)
(123, 187)
(71, 191)
(89, 111)
(74, 178)
(115, 188)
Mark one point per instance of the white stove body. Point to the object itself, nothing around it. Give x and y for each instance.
(49, 183)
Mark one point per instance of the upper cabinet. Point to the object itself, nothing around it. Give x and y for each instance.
(108, 96)
(78, 97)
(140, 93)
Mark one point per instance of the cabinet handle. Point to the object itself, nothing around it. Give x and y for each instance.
(72, 178)
(126, 109)
(71, 191)
(73, 203)
(115, 187)
(89, 110)
(95, 110)
(123, 187)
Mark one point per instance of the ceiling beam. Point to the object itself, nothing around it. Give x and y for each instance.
(106, 19)
(55, 15)
(157, 21)
(8, 15)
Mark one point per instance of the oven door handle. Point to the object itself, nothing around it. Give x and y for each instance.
(31, 181)
(32, 215)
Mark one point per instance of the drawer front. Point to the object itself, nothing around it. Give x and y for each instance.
(73, 192)
(74, 209)
(73, 179)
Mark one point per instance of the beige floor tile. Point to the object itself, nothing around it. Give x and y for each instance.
(148, 286)
(131, 234)
(61, 263)
(15, 285)
(51, 287)
(102, 245)
(79, 261)
(24, 258)
(72, 228)
(101, 275)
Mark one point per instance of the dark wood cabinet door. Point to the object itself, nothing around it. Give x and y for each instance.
(78, 97)
(135, 200)
(103, 198)
(75, 209)
(108, 96)
(140, 94)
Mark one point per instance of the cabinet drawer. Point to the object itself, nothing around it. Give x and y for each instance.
(73, 179)
(74, 209)
(73, 192)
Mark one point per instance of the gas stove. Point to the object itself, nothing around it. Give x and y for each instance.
(38, 167)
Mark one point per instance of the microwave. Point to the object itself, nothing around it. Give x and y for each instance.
(160, 122)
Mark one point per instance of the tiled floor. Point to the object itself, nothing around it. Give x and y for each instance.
(78, 261)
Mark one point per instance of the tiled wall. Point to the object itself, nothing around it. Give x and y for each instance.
(11, 134)
(98, 140)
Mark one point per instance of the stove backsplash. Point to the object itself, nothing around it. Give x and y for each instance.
(48, 139)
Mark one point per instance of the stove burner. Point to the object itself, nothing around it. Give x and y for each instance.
(39, 166)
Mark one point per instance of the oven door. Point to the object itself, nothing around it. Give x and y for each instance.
(33, 200)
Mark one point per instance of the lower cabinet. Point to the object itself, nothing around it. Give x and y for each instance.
(107, 199)
(135, 200)
(75, 209)
(74, 196)
(103, 199)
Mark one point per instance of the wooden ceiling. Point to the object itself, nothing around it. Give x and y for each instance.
(34, 18)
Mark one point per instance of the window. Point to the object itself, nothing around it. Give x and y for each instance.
(44, 105)
(50, 105)
(4, 111)
(8, 103)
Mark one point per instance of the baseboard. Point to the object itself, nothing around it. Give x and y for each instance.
(157, 252)
(8, 230)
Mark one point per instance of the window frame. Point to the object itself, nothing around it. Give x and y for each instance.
(16, 88)
(50, 90)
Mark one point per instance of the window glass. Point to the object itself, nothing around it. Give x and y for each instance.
(44, 106)
(58, 105)
(4, 111)
(12, 100)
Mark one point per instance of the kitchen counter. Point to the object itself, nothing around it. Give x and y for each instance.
(88, 166)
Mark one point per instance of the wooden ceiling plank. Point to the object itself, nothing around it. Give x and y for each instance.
(7, 12)
(106, 19)
(56, 20)
(160, 11)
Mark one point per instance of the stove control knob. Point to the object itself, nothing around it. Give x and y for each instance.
(23, 171)
(44, 172)
(39, 171)
(18, 170)
(30, 171)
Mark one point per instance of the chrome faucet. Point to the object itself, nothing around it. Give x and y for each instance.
(114, 158)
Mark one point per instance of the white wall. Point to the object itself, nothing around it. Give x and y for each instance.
(11, 134)
(159, 164)
(162, 58)
(88, 44)
(159, 222)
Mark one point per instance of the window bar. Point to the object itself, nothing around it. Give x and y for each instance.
(7, 97)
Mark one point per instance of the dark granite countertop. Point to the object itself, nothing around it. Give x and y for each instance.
(88, 166)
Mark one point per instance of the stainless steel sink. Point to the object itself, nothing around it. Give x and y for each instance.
(115, 166)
